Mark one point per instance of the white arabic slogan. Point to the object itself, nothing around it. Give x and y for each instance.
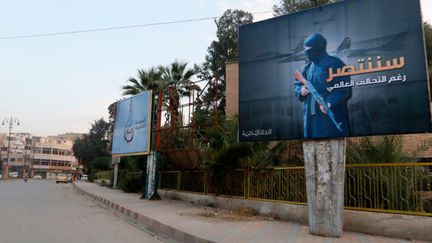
(257, 132)
(350, 70)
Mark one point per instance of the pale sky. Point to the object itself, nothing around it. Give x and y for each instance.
(60, 84)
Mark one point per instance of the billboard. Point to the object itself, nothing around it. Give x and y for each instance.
(132, 125)
(352, 68)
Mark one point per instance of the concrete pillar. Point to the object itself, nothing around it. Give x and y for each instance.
(115, 176)
(325, 171)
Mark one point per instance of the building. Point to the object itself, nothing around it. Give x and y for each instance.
(51, 155)
(45, 156)
(18, 155)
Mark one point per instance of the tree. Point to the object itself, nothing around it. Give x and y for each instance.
(290, 6)
(93, 145)
(384, 149)
(176, 83)
(428, 37)
(220, 52)
(149, 79)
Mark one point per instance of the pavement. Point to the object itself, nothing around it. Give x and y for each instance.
(178, 221)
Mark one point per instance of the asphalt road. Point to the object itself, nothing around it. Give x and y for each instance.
(41, 211)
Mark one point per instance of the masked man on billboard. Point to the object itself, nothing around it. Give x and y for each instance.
(311, 88)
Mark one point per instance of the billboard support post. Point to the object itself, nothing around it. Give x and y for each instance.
(115, 176)
(325, 169)
(150, 191)
(115, 161)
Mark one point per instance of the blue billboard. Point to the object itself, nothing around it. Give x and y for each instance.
(352, 68)
(132, 125)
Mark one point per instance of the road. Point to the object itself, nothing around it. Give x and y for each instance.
(43, 211)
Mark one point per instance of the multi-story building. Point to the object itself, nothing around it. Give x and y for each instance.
(18, 152)
(51, 155)
(45, 156)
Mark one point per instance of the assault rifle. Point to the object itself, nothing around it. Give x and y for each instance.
(318, 97)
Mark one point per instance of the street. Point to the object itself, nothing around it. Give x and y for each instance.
(43, 211)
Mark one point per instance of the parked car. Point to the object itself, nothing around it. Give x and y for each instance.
(61, 178)
(38, 177)
(13, 174)
(84, 177)
(69, 178)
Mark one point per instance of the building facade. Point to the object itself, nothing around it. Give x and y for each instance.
(34, 155)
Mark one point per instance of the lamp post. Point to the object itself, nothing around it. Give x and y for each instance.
(11, 121)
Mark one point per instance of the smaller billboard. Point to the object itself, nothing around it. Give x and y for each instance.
(132, 125)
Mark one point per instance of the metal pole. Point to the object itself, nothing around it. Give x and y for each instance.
(11, 121)
(8, 150)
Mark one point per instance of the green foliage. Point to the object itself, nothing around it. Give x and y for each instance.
(133, 163)
(288, 153)
(428, 37)
(149, 79)
(101, 164)
(94, 144)
(223, 153)
(291, 6)
(386, 149)
(222, 51)
(131, 182)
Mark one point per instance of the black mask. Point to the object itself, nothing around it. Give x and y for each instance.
(315, 46)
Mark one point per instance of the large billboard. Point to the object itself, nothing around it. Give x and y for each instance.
(353, 68)
(132, 125)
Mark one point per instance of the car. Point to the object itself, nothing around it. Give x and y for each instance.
(84, 177)
(13, 174)
(69, 178)
(38, 177)
(61, 178)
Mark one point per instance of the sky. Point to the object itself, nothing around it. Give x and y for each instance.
(63, 83)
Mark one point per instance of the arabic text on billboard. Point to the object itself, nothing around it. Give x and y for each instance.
(353, 68)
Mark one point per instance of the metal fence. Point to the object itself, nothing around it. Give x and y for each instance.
(404, 188)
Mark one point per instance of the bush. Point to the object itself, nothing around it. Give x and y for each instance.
(131, 182)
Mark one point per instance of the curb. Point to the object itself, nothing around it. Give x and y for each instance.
(161, 230)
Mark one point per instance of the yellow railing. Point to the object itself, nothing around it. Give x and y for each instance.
(404, 188)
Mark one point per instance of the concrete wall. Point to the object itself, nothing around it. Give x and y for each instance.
(232, 89)
(383, 224)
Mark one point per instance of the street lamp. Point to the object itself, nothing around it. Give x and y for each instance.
(11, 121)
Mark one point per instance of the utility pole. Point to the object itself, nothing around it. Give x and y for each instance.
(11, 121)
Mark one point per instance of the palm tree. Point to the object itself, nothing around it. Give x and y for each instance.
(178, 77)
(149, 79)
(176, 83)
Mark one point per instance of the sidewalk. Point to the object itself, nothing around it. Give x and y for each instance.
(184, 222)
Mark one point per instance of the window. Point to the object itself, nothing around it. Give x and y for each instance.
(55, 151)
(44, 162)
(46, 150)
(36, 162)
(62, 152)
(38, 150)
